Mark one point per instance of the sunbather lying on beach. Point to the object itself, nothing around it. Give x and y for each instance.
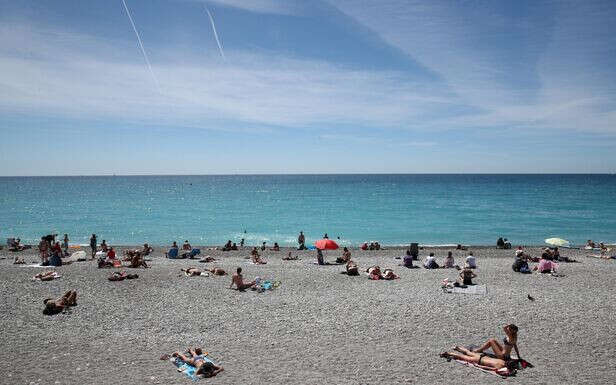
(196, 358)
(482, 359)
(351, 268)
(256, 258)
(192, 271)
(18, 260)
(46, 276)
(207, 259)
(121, 276)
(55, 306)
(217, 271)
(503, 351)
(290, 258)
(374, 273)
(389, 275)
(238, 281)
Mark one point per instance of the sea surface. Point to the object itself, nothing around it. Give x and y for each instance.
(392, 209)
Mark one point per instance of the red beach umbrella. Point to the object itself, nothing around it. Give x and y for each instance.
(326, 244)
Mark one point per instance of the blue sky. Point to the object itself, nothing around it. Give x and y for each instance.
(331, 86)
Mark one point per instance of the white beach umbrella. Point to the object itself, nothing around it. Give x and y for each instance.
(557, 242)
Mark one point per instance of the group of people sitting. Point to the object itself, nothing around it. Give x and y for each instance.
(371, 246)
(187, 251)
(590, 245)
(14, 244)
(135, 257)
(448, 263)
(503, 243)
(50, 251)
(229, 246)
(546, 263)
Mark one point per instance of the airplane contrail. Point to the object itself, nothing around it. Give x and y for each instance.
(215, 33)
(145, 56)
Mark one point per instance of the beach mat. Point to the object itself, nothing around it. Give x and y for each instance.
(471, 289)
(188, 370)
(503, 373)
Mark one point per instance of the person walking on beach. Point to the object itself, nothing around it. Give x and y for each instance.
(301, 240)
(93, 245)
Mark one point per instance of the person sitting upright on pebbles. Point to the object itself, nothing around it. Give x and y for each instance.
(256, 258)
(238, 281)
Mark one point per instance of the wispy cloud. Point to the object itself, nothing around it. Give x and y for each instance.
(559, 74)
(99, 78)
(283, 7)
(209, 15)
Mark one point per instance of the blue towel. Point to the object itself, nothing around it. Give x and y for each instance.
(189, 370)
(195, 252)
(173, 253)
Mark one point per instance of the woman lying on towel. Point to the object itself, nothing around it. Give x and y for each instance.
(375, 273)
(55, 306)
(192, 271)
(482, 359)
(509, 342)
(351, 268)
(217, 271)
(46, 276)
(197, 359)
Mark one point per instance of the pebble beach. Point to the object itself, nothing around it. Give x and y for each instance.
(319, 326)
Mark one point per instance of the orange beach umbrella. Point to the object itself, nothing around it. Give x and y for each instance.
(326, 244)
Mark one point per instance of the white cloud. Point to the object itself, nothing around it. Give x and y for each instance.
(66, 74)
(283, 7)
(575, 90)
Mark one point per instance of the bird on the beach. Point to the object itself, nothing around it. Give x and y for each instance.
(530, 298)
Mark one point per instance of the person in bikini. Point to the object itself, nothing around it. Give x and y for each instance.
(351, 268)
(256, 258)
(55, 306)
(197, 359)
(346, 256)
(466, 276)
(238, 281)
(503, 351)
(389, 274)
(482, 359)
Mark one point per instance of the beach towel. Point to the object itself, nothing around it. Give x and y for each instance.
(189, 370)
(471, 289)
(55, 275)
(602, 256)
(503, 372)
(76, 256)
(173, 253)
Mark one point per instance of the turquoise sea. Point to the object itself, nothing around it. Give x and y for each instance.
(393, 209)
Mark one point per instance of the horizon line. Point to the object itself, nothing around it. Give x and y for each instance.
(309, 174)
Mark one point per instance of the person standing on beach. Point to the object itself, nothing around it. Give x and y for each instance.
(93, 245)
(65, 244)
(301, 240)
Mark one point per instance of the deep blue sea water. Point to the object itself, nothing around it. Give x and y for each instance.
(393, 209)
